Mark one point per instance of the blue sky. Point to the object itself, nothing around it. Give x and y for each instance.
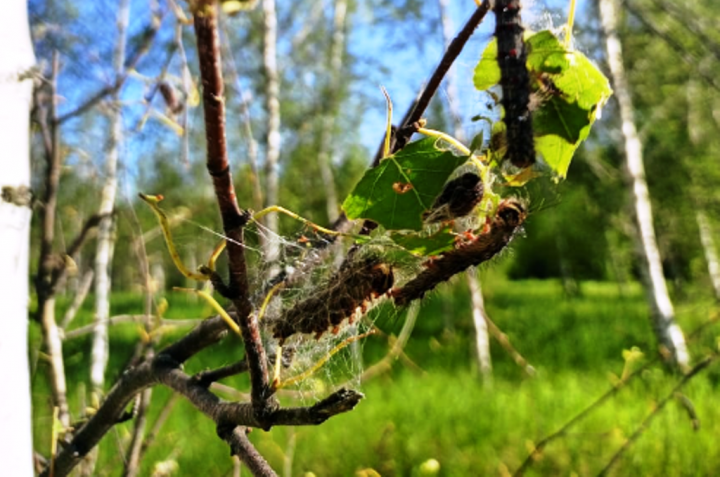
(405, 69)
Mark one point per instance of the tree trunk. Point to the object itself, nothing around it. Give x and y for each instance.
(696, 133)
(16, 58)
(272, 138)
(326, 151)
(106, 229)
(711, 255)
(668, 333)
(482, 340)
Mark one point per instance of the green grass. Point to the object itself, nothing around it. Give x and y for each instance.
(448, 413)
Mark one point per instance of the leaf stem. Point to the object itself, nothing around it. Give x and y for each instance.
(569, 26)
(216, 306)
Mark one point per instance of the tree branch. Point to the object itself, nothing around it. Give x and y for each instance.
(598, 402)
(146, 38)
(659, 407)
(453, 51)
(234, 220)
(240, 445)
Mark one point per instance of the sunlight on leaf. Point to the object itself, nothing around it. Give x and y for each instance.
(572, 90)
(396, 192)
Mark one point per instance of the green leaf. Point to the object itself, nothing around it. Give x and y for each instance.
(557, 152)
(557, 116)
(564, 120)
(441, 241)
(546, 54)
(487, 71)
(396, 192)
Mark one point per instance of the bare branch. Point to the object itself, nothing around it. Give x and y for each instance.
(146, 38)
(658, 407)
(119, 319)
(453, 51)
(134, 455)
(234, 220)
(78, 299)
(598, 402)
(240, 445)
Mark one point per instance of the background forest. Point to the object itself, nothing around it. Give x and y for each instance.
(563, 315)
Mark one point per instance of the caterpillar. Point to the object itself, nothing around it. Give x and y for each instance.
(510, 216)
(349, 289)
(458, 198)
(515, 82)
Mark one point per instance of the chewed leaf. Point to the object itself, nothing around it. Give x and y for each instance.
(579, 91)
(396, 192)
(573, 73)
(441, 241)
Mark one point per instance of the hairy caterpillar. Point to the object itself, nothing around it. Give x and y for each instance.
(515, 82)
(511, 214)
(458, 199)
(352, 287)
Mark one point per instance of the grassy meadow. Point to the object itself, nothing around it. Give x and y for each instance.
(433, 404)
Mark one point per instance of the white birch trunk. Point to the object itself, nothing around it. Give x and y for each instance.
(16, 58)
(711, 255)
(106, 229)
(668, 333)
(272, 138)
(696, 132)
(326, 151)
(482, 339)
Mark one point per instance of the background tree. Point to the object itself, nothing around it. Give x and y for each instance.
(594, 192)
(16, 61)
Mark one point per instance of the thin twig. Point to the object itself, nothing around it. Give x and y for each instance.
(502, 338)
(134, 454)
(159, 422)
(598, 402)
(397, 347)
(679, 49)
(120, 319)
(146, 38)
(655, 412)
(453, 51)
(78, 300)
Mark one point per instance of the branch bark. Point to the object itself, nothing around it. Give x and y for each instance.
(234, 220)
(164, 368)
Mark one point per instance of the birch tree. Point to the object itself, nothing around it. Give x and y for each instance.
(16, 59)
(696, 135)
(482, 340)
(272, 133)
(668, 333)
(105, 243)
(326, 151)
